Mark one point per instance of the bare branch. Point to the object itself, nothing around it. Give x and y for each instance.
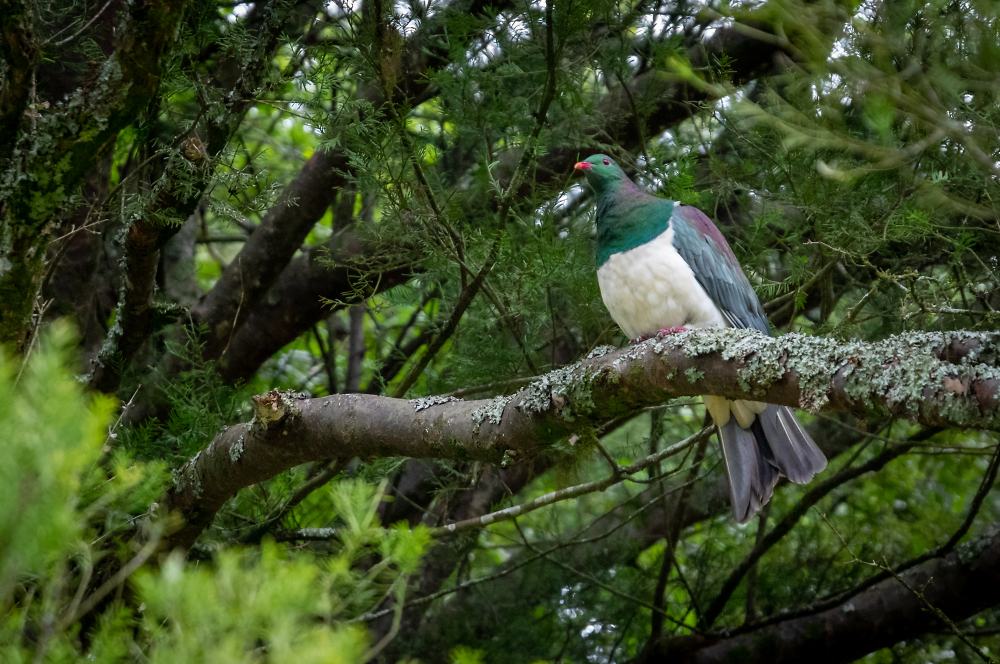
(331, 470)
(341, 270)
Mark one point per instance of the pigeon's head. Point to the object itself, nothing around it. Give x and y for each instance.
(603, 173)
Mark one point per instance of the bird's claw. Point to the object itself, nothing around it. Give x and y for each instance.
(671, 330)
(659, 335)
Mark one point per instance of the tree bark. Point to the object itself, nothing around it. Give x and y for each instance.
(961, 584)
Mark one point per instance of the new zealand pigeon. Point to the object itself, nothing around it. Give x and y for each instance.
(664, 267)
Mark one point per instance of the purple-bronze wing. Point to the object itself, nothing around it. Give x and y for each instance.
(706, 251)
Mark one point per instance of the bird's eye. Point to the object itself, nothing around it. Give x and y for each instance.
(607, 162)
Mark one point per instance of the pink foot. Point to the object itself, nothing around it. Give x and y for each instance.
(658, 335)
(670, 330)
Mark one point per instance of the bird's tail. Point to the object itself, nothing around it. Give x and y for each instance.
(775, 444)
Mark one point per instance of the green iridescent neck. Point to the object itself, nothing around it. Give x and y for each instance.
(630, 219)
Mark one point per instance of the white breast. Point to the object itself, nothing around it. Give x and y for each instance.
(650, 288)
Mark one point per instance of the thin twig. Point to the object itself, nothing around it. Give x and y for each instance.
(941, 615)
(397, 620)
(553, 497)
(751, 604)
(236, 318)
(673, 537)
(841, 597)
(111, 430)
(771, 305)
(88, 605)
(513, 568)
(331, 470)
(34, 335)
(495, 386)
(657, 611)
(888, 571)
(506, 202)
(78, 32)
(785, 526)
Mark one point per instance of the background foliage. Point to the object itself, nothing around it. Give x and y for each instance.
(848, 151)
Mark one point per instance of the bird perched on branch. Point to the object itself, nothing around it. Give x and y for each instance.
(664, 267)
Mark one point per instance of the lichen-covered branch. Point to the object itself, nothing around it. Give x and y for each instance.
(243, 286)
(627, 529)
(959, 584)
(136, 315)
(903, 375)
(68, 137)
(179, 192)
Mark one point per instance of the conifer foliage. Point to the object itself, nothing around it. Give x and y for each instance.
(303, 356)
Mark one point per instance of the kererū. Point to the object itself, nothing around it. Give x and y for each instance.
(664, 267)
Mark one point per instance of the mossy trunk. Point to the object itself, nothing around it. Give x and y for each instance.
(22, 269)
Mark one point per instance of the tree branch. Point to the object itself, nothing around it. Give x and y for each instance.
(304, 201)
(785, 526)
(901, 375)
(527, 156)
(266, 254)
(672, 537)
(511, 513)
(839, 598)
(960, 584)
(136, 315)
(268, 251)
(74, 134)
(331, 470)
(343, 270)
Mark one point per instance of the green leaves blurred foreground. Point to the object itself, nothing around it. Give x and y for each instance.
(71, 582)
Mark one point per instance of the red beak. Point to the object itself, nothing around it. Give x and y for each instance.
(583, 166)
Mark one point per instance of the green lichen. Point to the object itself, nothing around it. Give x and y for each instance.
(508, 458)
(694, 375)
(896, 372)
(492, 411)
(634, 352)
(274, 407)
(971, 552)
(316, 533)
(186, 477)
(569, 390)
(236, 449)
(601, 351)
(424, 403)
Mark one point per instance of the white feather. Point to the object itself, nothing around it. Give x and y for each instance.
(651, 288)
